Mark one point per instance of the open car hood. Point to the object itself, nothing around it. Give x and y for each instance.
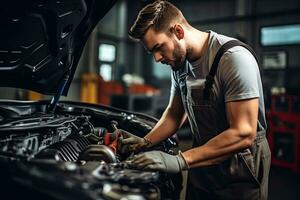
(41, 41)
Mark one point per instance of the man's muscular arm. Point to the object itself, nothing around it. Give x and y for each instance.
(242, 116)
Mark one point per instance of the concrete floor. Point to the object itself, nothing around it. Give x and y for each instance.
(283, 184)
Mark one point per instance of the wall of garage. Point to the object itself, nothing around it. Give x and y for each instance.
(280, 13)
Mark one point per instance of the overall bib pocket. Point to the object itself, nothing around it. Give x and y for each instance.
(204, 112)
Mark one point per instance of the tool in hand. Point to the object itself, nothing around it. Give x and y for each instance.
(110, 139)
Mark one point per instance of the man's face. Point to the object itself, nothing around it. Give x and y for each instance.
(165, 48)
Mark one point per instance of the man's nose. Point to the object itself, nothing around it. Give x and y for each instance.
(157, 56)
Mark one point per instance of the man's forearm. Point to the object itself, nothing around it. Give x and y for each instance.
(168, 124)
(218, 148)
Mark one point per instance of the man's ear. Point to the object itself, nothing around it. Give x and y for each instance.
(178, 31)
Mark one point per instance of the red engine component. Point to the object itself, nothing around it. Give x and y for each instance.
(111, 140)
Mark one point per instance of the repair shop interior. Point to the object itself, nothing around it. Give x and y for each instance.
(149, 99)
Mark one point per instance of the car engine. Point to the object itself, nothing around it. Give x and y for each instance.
(74, 154)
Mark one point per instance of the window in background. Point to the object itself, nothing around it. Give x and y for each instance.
(107, 52)
(280, 35)
(107, 59)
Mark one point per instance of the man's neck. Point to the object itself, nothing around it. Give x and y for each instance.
(196, 44)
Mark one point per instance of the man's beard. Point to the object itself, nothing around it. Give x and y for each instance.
(179, 56)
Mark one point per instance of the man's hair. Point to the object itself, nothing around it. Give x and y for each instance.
(159, 15)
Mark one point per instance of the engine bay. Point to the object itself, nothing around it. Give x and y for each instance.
(76, 150)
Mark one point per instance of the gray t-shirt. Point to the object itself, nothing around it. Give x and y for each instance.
(237, 78)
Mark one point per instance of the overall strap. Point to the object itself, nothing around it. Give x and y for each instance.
(213, 70)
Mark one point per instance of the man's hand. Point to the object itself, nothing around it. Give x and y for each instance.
(131, 143)
(160, 161)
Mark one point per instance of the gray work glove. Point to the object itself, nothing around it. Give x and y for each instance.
(131, 143)
(160, 161)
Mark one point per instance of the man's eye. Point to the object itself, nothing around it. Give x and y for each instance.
(158, 48)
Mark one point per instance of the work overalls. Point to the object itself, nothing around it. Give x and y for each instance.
(242, 176)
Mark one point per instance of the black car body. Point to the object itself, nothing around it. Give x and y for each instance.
(55, 149)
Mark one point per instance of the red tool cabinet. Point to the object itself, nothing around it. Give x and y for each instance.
(284, 131)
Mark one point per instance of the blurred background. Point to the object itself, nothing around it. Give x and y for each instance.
(117, 72)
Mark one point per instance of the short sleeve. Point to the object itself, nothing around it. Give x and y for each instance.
(239, 74)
